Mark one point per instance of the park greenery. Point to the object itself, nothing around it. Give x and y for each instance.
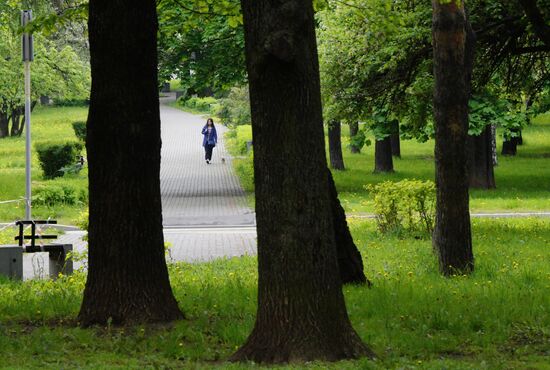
(377, 77)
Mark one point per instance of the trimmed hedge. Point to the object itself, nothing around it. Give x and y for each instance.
(54, 157)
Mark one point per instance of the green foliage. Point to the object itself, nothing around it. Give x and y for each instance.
(237, 138)
(359, 140)
(235, 108)
(79, 128)
(55, 194)
(206, 105)
(201, 43)
(407, 206)
(53, 157)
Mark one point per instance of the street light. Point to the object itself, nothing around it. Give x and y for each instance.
(28, 57)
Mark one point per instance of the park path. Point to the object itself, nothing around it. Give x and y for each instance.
(205, 211)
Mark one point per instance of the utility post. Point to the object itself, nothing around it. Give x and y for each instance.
(28, 57)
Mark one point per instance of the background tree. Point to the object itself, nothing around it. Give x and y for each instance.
(301, 311)
(127, 278)
(453, 50)
(57, 70)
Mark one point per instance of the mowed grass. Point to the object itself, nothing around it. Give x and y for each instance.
(49, 124)
(523, 181)
(497, 318)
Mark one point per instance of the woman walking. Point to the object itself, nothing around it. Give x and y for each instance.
(210, 139)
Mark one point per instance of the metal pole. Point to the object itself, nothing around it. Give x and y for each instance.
(28, 158)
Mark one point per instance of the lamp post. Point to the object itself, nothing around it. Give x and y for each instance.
(28, 57)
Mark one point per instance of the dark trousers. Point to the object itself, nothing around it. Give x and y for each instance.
(208, 151)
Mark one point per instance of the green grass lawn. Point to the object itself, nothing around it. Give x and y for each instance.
(48, 125)
(498, 318)
(523, 181)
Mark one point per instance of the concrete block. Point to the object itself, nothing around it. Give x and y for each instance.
(11, 261)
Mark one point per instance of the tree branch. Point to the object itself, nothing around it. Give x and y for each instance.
(537, 20)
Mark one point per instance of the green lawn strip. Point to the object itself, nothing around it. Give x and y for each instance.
(49, 124)
(523, 181)
(497, 318)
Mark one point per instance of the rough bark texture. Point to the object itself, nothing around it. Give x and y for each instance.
(353, 130)
(494, 154)
(301, 312)
(350, 262)
(480, 161)
(4, 128)
(127, 274)
(510, 146)
(335, 145)
(383, 161)
(453, 43)
(395, 140)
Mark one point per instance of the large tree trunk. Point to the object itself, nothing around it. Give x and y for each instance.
(350, 262)
(480, 161)
(453, 44)
(383, 161)
(395, 140)
(335, 145)
(301, 312)
(353, 130)
(17, 121)
(127, 274)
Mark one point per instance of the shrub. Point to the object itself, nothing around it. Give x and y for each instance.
(80, 130)
(237, 138)
(235, 109)
(54, 194)
(54, 157)
(405, 206)
(201, 104)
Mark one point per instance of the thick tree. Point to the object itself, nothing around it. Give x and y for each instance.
(301, 312)
(395, 140)
(350, 262)
(480, 160)
(383, 161)
(127, 274)
(453, 50)
(335, 145)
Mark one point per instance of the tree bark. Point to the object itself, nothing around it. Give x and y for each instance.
(335, 145)
(453, 45)
(383, 161)
(480, 161)
(353, 130)
(4, 121)
(127, 275)
(395, 140)
(510, 146)
(301, 313)
(350, 262)
(17, 121)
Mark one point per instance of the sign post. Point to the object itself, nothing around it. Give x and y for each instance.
(28, 57)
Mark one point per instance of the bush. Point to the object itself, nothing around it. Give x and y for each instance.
(200, 104)
(405, 206)
(235, 109)
(54, 157)
(237, 138)
(55, 194)
(80, 130)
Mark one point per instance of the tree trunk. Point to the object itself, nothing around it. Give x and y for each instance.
(127, 275)
(17, 121)
(335, 145)
(453, 45)
(350, 262)
(510, 146)
(480, 161)
(494, 154)
(519, 138)
(4, 128)
(301, 313)
(353, 130)
(383, 161)
(395, 140)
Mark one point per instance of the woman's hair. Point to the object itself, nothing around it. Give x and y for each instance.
(209, 120)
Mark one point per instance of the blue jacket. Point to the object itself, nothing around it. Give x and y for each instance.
(211, 139)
